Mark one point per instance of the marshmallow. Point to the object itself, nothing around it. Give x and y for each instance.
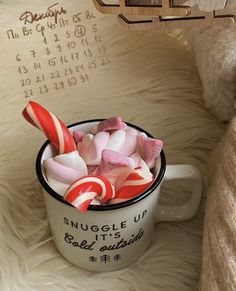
(116, 140)
(130, 143)
(78, 135)
(115, 167)
(111, 159)
(111, 124)
(149, 149)
(64, 169)
(93, 169)
(91, 146)
(123, 141)
(136, 158)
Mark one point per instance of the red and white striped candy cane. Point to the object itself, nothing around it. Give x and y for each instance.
(54, 129)
(84, 190)
(134, 185)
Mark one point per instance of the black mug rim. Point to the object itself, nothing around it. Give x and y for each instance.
(107, 207)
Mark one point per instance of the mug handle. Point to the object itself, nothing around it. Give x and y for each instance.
(188, 209)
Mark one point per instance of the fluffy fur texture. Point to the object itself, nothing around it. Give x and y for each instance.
(152, 82)
(214, 49)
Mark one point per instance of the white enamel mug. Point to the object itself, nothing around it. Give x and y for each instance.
(110, 237)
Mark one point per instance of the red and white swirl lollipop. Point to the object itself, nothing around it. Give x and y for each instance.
(81, 193)
(54, 129)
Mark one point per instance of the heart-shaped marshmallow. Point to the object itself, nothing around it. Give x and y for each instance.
(110, 124)
(115, 167)
(149, 149)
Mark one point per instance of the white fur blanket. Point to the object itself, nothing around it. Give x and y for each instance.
(151, 81)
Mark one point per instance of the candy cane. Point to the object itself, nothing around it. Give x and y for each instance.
(84, 190)
(134, 185)
(53, 127)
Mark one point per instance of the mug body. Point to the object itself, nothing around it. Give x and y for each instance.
(107, 237)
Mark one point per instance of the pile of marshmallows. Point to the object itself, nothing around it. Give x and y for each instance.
(111, 164)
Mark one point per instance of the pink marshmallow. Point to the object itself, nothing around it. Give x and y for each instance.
(136, 158)
(149, 149)
(62, 173)
(116, 140)
(111, 159)
(141, 166)
(144, 171)
(92, 169)
(110, 124)
(83, 145)
(63, 170)
(91, 147)
(130, 144)
(72, 160)
(78, 135)
(123, 141)
(115, 167)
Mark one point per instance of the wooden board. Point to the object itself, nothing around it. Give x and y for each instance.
(207, 19)
(167, 14)
(166, 8)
